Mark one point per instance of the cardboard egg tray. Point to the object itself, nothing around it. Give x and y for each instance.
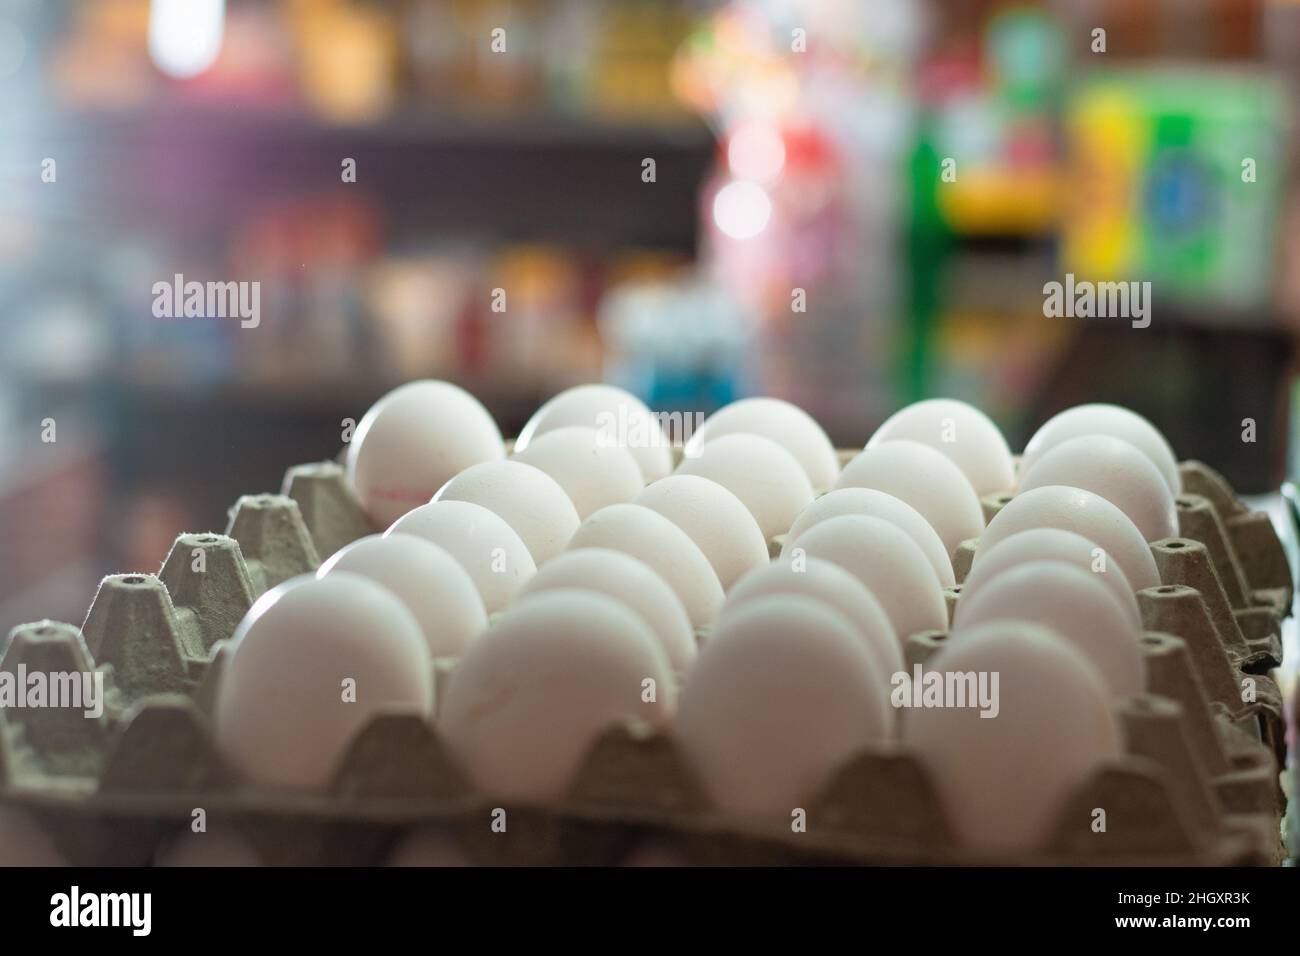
(1198, 783)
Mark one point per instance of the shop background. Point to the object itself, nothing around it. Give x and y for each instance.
(804, 235)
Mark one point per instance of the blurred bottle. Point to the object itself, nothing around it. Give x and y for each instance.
(534, 310)
(506, 49)
(431, 46)
(679, 345)
(349, 57)
(569, 40)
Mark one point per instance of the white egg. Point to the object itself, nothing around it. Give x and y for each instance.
(530, 697)
(413, 441)
(491, 551)
(217, 846)
(622, 419)
(1052, 544)
(1084, 513)
(788, 425)
(888, 562)
(758, 471)
(630, 582)
(924, 479)
(284, 715)
(528, 499)
(23, 842)
(783, 694)
(1112, 420)
(428, 846)
(432, 584)
(592, 474)
(1117, 471)
(877, 504)
(715, 519)
(960, 431)
(834, 587)
(654, 540)
(1069, 601)
(1004, 782)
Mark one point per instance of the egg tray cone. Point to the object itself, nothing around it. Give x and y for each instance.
(1196, 785)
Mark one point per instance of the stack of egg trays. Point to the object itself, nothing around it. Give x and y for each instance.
(1198, 783)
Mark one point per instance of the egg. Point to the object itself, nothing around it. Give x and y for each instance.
(23, 842)
(527, 498)
(1112, 420)
(1004, 782)
(877, 504)
(960, 431)
(633, 584)
(314, 660)
(1117, 471)
(714, 518)
(783, 694)
(493, 554)
(788, 425)
(530, 697)
(758, 471)
(218, 846)
(427, 846)
(925, 479)
(1052, 544)
(888, 562)
(428, 580)
(1084, 513)
(834, 587)
(413, 441)
(621, 418)
(592, 474)
(654, 540)
(1073, 604)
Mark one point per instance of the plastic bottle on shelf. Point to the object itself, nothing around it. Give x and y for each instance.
(679, 345)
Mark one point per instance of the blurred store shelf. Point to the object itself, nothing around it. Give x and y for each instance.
(198, 171)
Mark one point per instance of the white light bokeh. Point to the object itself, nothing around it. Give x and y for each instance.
(185, 35)
(742, 209)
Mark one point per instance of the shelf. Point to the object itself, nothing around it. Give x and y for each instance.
(198, 170)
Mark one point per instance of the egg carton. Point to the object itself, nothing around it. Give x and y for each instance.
(1196, 785)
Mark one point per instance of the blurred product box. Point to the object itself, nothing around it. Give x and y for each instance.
(1177, 179)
